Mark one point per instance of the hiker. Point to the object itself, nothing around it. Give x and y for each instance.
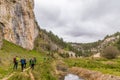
(22, 63)
(32, 63)
(25, 63)
(35, 60)
(15, 61)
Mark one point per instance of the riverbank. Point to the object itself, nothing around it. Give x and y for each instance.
(91, 75)
(94, 69)
(102, 65)
(90, 69)
(60, 68)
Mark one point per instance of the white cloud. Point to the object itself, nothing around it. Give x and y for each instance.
(79, 20)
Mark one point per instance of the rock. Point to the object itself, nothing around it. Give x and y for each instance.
(1, 35)
(18, 19)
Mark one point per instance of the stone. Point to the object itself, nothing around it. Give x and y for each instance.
(18, 19)
(1, 34)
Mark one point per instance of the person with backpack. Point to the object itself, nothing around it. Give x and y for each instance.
(25, 63)
(35, 60)
(22, 64)
(15, 61)
(32, 63)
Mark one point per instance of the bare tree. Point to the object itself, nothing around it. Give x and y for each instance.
(110, 52)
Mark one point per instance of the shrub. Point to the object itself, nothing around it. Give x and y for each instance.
(110, 52)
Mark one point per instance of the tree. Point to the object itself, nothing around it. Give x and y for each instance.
(118, 44)
(110, 52)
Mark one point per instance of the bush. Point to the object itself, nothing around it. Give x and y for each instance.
(110, 52)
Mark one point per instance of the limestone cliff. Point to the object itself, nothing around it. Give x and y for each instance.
(18, 22)
(1, 35)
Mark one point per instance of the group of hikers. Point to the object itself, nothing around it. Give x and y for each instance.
(23, 62)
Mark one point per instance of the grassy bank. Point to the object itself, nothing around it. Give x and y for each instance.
(103, 65)
(43, 68)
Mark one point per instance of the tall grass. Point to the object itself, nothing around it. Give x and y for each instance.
(43, 69)
(103, 65)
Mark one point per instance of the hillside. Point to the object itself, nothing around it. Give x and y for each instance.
(47, 41)
(10, 50)
(18, 25)
(98, 46)
(20, 35)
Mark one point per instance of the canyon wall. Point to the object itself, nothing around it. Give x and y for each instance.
(18, 23)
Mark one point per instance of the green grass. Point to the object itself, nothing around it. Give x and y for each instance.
(103, 65)
(43, 69)
(20, 76)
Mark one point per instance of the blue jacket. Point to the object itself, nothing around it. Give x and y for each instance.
(22, 61)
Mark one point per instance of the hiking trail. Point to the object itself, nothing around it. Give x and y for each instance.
(31, 75)
(9, 76)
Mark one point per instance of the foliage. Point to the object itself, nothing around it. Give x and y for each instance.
(64, 55)
(55, 39)
(108, 36)
(87, 53)
(44, 71)
(110, 52)
(117, 33)
(10, 50)
(88, 46)
(117, 44)
(105, 66)
(45, 40)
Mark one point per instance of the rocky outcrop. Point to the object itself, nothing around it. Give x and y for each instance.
(92, 75)
(18, 19)
(1, 35)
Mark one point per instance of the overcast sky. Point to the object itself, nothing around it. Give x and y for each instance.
(79, 20)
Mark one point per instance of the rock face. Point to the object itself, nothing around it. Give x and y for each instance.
(1, 35)
(18, 20)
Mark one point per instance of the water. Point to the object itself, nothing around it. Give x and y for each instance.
(72, 77)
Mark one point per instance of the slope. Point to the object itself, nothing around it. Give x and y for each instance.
(9, 50)
(89, 49)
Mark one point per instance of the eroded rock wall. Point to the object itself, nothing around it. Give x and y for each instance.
(18, 19)
(1, 34)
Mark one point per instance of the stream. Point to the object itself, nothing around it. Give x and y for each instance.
(72, 77)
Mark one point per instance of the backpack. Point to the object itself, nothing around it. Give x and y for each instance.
(14, 60)
(22, 61)
(32, 62)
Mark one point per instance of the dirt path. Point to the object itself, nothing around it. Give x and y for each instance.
(31, 75)
(9, 76)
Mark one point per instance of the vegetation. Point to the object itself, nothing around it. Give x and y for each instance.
(64, 55)
(46, 41)
(54, 38)
(43, 69)
(98, 46)
(105, 66)
(88, 46)
(117, 44)
(110, 52)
